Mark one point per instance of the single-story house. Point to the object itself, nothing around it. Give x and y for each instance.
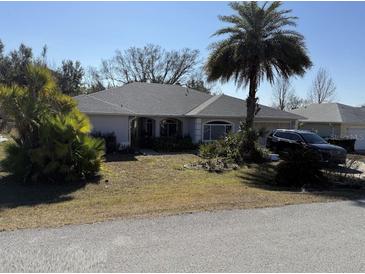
(137, 112)
(334, 120)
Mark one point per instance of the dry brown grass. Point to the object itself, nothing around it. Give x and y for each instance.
(144, 186)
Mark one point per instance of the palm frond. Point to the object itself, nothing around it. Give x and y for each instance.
(261, 43)
(229, 30)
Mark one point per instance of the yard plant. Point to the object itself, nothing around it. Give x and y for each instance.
(52, 141)
(259, 43)
(173, 144)
(300, 168)
(234, 147)
(111, 142)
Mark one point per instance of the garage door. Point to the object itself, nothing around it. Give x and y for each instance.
(359, 135)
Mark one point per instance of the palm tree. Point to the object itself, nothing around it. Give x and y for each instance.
(258, 45)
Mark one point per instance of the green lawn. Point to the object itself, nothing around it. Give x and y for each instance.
(144, 186)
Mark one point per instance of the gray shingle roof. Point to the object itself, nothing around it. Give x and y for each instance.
(227, 106)
(148, 99)
(169, 100)
(332, 113)
(92, 104)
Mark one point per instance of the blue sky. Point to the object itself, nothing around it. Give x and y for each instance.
(91, 31)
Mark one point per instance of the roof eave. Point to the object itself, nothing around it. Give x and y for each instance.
(317, 121)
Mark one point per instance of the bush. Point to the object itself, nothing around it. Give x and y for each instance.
(173, 144)
(234, 147)
(213, 165)
(64, 152)
(52, 142)
(111, 144)
(300, 168)
(258, 154)
(210, 150)
(124, 149)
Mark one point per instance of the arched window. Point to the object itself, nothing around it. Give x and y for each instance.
(215, 130)
(170, 128)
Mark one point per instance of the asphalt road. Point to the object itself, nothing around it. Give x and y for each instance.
(302, 238)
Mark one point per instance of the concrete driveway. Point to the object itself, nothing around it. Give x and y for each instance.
(301, 238)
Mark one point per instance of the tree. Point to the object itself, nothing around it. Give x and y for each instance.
(42, 59)
(13, 69)
(282, 91)
(258, 45)
(284, 96)
(295, 102)
(52, 141)
(198, 82)
(323, 88)
(149, 64)
(93, 81)
(69, 77)
(13, 66)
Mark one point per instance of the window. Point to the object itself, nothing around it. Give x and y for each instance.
(294, 137)
(281, 135)
(312, 138)
(216, 130)
(170, 128)
(288, 136)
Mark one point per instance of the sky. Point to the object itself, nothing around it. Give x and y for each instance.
(92, 31)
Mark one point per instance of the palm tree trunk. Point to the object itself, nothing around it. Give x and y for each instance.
(251, 103)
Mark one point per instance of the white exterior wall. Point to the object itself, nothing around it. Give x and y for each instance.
(120, 125)
(112, 123)
(355, 131)
(323, 129)
(193, 127)
(268, 125)
(345, 128)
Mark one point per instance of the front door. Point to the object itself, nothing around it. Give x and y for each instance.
(142, 132)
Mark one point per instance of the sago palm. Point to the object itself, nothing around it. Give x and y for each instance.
(259, 43)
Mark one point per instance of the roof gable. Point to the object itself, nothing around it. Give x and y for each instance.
(349, 114)
(227, 106)
(332, 113)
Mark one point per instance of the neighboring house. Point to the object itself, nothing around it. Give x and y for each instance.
(138, 112)
(335, 120)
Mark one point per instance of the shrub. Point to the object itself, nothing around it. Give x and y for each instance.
(52, 142)
(258, 154)
(124, 149)
(300, 168)
(211, 150)
(65, 152)
(173, 144)
(111, 144)
(215, 165)
(231, 147)
(234, 147)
